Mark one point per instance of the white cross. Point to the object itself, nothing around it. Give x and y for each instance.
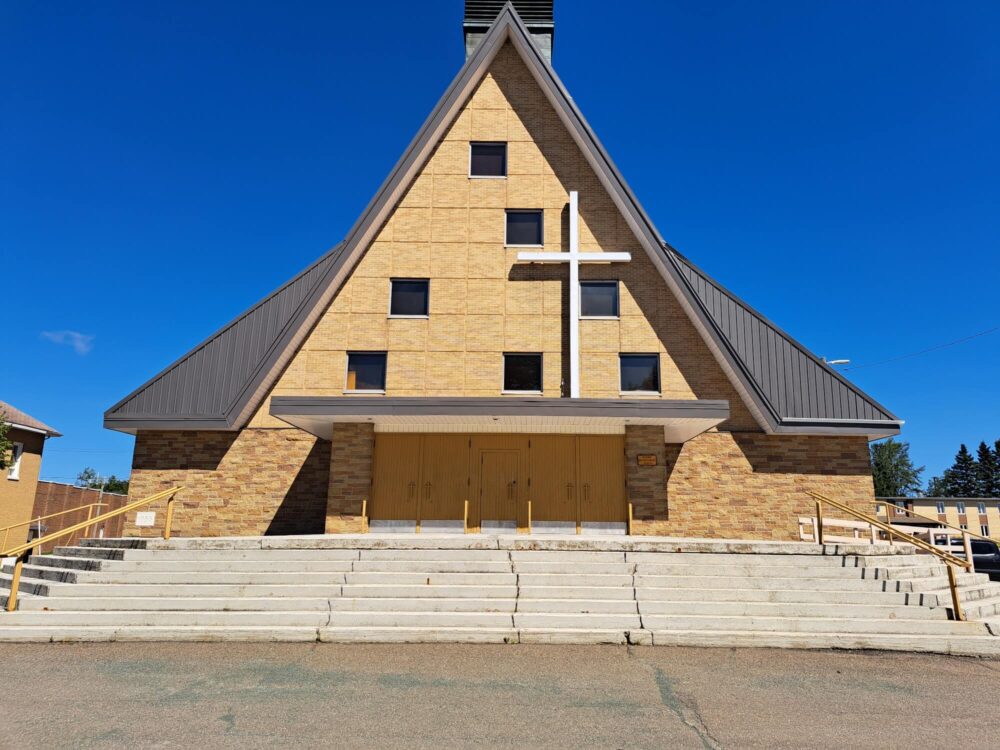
(574, 257)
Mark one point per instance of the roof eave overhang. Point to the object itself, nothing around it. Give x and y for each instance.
(132, 425)
(37, 430)
(680, 420)
(871, 429)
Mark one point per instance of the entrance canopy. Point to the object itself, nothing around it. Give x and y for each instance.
(680, 420)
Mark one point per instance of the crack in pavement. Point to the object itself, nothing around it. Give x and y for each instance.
(685, 709)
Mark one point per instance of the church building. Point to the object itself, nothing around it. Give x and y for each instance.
(502, 343)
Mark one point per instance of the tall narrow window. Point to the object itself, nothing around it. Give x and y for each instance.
(409, 298)
(488, 160)
(961, 508)
(366, 371)
(14, 471)
(599, 299)
(940, 507)
(984, 530)
(524, 228)
(640, 373)
(522, 372)
(982, 508)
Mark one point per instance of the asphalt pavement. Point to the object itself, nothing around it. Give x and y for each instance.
(176, 695)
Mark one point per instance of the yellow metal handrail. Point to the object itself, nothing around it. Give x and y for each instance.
(951, 561)
(88, 507)
(20, 550)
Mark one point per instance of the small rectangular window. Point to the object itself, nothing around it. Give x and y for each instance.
(961, 508)
(940, 507)
(14, 470)
(522, 372)
(963, 526)
(982, 508)
(366, 371)
(640, 373)
(984, 530)
(599, 299)
(409, 298)
(488, 160)
(524, 228)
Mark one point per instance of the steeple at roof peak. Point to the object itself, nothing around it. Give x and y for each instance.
(537, 16)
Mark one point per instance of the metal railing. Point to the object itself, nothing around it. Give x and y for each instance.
(951, 561)
(23, 551)
(89, 507)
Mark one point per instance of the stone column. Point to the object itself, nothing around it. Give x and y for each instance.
(647, 481)
(351, 454)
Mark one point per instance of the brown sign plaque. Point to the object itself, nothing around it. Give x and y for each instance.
(646, 459)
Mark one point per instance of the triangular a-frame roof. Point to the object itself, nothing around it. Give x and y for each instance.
(220, 383)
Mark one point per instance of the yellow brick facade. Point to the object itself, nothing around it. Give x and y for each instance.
(449, 228)
(17, 496)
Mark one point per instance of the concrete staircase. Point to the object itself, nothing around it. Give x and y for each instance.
(501, 589)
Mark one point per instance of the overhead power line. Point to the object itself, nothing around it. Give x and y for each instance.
(926, 351)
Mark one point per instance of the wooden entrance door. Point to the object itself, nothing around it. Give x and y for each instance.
(602, 478)
(554, 491)
(396, 479)
(445, 477)
(420, 477)
(498, 485)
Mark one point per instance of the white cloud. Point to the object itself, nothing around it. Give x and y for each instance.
(81, 342)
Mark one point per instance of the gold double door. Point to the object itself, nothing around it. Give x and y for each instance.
(572, 479)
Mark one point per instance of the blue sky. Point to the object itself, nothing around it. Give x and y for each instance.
(165, 165)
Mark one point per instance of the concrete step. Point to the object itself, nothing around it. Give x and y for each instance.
(941, 582)
(804, 596)
(759, 560)
(266, 604)
(982, 609)
(405, 591)
(793, 609)
(432, 566)
(433, 579)
(402, 555)
(111, 576)
(263, 555)
(40, 573)
(576, 592)
(27, 586)
(69, 563)
(155, 565)
(568, 579)
(956, 645)
(808, 584)
(579, 606)
(737, 570)
(587, 621)
(314, 619)
(966, 645)
(574, 568)
(91, 553)
(810, 625)
(566, 556)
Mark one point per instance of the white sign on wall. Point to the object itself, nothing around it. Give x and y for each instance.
(145, 518)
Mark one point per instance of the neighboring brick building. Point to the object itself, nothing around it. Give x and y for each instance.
(18, 481)
(503, 326)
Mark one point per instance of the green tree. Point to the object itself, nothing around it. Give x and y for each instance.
(893, 471)
(114, 484)
(91, 479)
(987, 471)
(964, 481)
(6, 444)
(940, 486)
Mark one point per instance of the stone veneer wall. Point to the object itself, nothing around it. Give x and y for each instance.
(351, 462)
(252, 482)
(742, 485)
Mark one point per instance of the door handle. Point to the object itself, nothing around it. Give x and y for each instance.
(569, 491)
(427, 491)
(586, 492)
(411, 489)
